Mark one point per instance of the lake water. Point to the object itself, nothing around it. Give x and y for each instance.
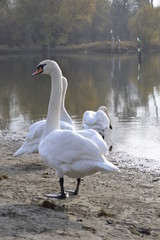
(130, 90)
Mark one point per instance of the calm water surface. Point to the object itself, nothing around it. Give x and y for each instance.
(130, 91)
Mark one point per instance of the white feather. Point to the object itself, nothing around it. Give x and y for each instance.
(32, 139)
(99, 121)
(68, 152)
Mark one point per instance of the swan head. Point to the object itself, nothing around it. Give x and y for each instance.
(46, 67)
(105, 109)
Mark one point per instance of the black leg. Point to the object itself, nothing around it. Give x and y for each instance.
(62, 194)
(77, 187)
(75, 192)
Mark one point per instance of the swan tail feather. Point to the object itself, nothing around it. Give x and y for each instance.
(19, 152)
(113, 168)
(22, 150)
(108, 166)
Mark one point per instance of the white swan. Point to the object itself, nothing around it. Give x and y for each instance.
(99, 121)
(68, 152)
(33, 137)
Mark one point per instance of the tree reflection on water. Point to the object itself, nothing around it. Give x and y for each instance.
(130, 90)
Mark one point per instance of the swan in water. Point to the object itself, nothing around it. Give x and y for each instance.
(99, 121)
(68, 152)
(33, 137)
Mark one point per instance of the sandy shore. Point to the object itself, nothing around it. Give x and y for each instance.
(109, 206)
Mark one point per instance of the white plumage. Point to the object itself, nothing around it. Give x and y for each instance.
(71, 154)
(96, 138)
(99, 121)
(68, 152)
(34, 134)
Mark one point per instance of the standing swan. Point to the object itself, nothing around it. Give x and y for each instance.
(68, 152)
(33, 137)
(99, 121)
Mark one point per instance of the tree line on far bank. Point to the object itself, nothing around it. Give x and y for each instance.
(31, 23)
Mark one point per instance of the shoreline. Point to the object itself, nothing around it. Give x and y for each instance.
(106, 47)
(109, 206)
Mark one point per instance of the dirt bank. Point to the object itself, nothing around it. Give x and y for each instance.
(109, 206)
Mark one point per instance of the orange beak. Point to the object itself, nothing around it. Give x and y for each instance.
(38, 71)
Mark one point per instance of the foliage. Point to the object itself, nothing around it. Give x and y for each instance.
(145, 24)
(59, 22)
(76, 16)
(100, 26)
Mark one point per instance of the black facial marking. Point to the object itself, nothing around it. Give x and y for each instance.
(41, 66)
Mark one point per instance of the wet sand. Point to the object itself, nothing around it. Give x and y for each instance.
(123, 205)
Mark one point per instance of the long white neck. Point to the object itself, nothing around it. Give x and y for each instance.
(53, 115)
(64, 114)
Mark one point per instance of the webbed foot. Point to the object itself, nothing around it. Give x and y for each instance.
(58, 196)
(72, 193)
